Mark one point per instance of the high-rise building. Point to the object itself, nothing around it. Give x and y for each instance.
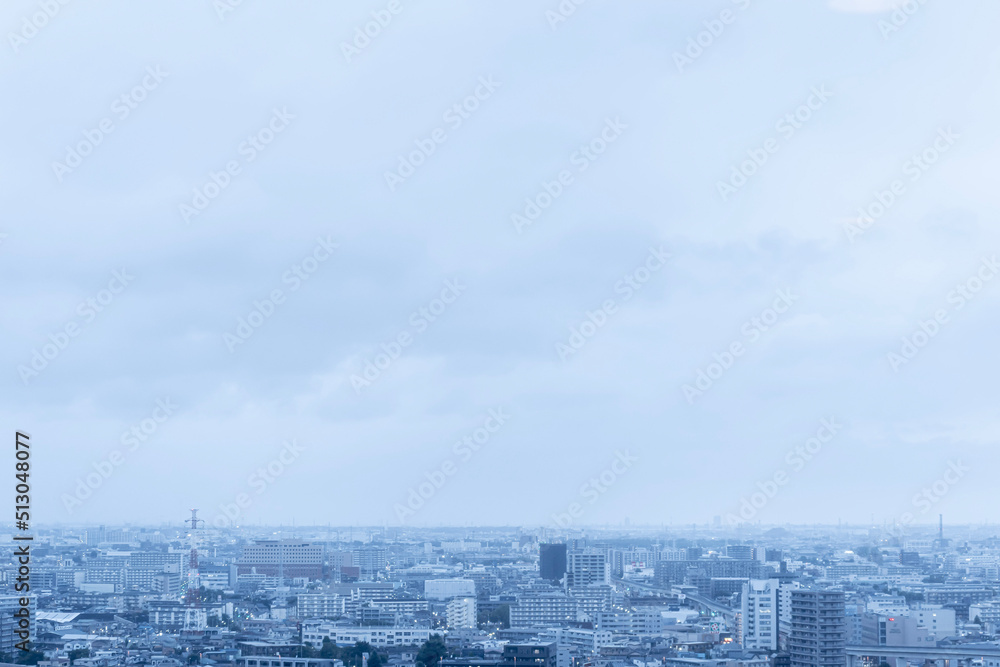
(759, 614)
(552, 561)
(9, 626)
(586, 568)
(461, 613)
(371, 561)
(818, 633)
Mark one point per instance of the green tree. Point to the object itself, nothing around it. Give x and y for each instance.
(75, 654)
(329, 650)
(353, 655)
(30, 658)
(501, 615)
(431, 652)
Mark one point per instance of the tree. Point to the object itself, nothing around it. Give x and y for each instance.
(351, 655)
(329, 650)
(431, 652)
(78, 653)
(501, 615)
(30, 658)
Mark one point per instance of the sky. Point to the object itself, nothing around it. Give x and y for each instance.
(522, 263)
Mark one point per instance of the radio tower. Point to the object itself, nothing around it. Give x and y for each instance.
(194, 581)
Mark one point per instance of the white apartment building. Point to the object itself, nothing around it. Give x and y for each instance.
(443, 589)
(318, 605)
(759, 614)
(461, 613)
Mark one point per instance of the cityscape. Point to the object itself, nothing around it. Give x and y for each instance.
(693, 596)
(518, 333)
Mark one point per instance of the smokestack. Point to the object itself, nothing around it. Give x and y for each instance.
(940, 526)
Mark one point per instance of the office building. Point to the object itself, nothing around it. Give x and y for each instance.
(284, 559)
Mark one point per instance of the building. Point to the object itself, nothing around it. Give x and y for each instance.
(642, 621)
(174, 615)
(382, 637)
(880, 630)
(759, 614)
(444, 589)
(552, 561)
(586, 568)
(593, 600)
(9, 627)
(317, 605)
(371, 561)
(284, 559)
(818, 633)
(543, 608)
(461, 613)
(277, 661)
(940, 622)
(531, 655)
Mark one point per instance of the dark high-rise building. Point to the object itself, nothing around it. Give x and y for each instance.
(818, 636)
(552, 561)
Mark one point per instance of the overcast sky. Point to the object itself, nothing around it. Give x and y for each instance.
(632, 140)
